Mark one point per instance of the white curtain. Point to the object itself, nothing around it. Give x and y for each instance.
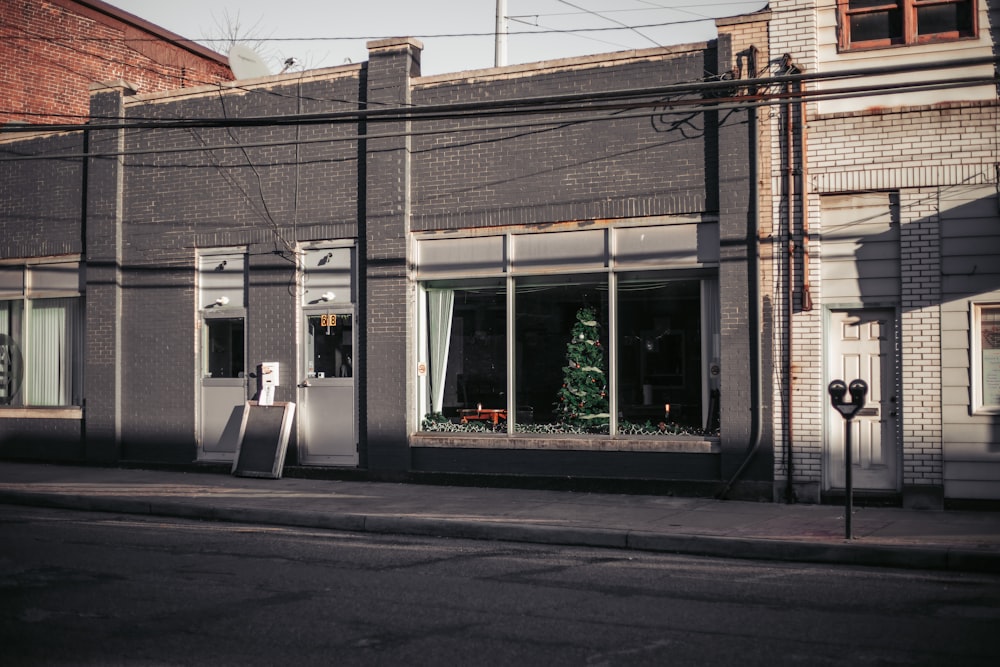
(440, 304)
(6, 356)
(52, 351)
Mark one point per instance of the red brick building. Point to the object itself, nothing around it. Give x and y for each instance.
(53, 50)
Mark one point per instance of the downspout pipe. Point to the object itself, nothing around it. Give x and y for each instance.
(789, 68)
(753, 287)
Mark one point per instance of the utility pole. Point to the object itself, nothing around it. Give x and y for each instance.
(500, 58)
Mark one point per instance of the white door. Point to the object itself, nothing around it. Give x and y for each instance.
(328, 433)
(223, 391)
(862, 347)
(223, 387)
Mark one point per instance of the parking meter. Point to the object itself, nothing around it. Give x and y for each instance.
(858, 390)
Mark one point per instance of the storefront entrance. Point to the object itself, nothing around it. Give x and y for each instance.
(328, 415)
(223, 389)
(328, 406)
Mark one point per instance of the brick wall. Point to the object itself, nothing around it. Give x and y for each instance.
(920, 277)
(103, 369)
(799, 403)
(262, 198)
(41, 200)
(387, 195)
(917, 151)
(178, 191)
(53, 50)
(564, 170)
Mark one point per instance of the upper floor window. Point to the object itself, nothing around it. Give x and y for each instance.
(880, 23)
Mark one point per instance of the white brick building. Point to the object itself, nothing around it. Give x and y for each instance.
(886, 244)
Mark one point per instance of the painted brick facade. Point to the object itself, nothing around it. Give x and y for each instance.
(924, 151)
(53, 50)
(155, 199)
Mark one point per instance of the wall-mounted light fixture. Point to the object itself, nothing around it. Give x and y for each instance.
(328, 296)
(222, 301)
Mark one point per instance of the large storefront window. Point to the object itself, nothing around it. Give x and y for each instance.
(659, 353)
(610, 331)
(466, 326)
(41, 337)
(562, 367)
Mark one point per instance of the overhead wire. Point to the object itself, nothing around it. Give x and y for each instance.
(569, 101)
(66, 42)
(568, 32)
(65, 39)
(645, 108)
(615, 21)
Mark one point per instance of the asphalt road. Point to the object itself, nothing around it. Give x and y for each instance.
(102, 589)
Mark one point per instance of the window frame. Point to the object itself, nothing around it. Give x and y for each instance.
(221, 279)
(676, 248)
(910, 36)
(36, 288)
(979, 405)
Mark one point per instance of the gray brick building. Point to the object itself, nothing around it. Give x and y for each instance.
(414, 253)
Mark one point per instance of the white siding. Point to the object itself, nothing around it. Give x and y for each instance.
(860, 236)
(832, 60)
(970, 238)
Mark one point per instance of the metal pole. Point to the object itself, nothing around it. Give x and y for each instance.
(500, 53)
(848, 482)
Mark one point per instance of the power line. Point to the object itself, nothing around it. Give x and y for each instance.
(653, 7)
(634, 110)
(335, 38)
(615, 21)
(530, 105)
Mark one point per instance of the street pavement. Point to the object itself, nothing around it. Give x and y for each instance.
(882, 536)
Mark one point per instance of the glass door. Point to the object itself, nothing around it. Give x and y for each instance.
(328, 402)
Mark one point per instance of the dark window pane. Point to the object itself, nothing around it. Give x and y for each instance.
(877, 26)
(332, 345)
(476, 369)
(225, 347)
(935, 19)
(546, 312)
(659, 351)
(868, 4)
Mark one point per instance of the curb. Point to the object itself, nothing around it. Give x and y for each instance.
(856, 554)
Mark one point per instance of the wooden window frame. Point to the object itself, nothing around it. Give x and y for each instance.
(910, 35)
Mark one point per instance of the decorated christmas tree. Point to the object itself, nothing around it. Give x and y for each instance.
(583, 398)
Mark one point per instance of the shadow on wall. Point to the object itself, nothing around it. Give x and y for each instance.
(864, 248)
(870, 259)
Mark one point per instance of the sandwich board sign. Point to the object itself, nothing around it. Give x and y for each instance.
(263, 439)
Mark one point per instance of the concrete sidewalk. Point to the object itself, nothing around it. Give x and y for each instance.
(894, 537)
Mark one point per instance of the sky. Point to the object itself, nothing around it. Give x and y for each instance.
(336, 31)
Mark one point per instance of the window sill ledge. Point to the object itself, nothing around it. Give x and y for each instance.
(41, 413)
(675, 445)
